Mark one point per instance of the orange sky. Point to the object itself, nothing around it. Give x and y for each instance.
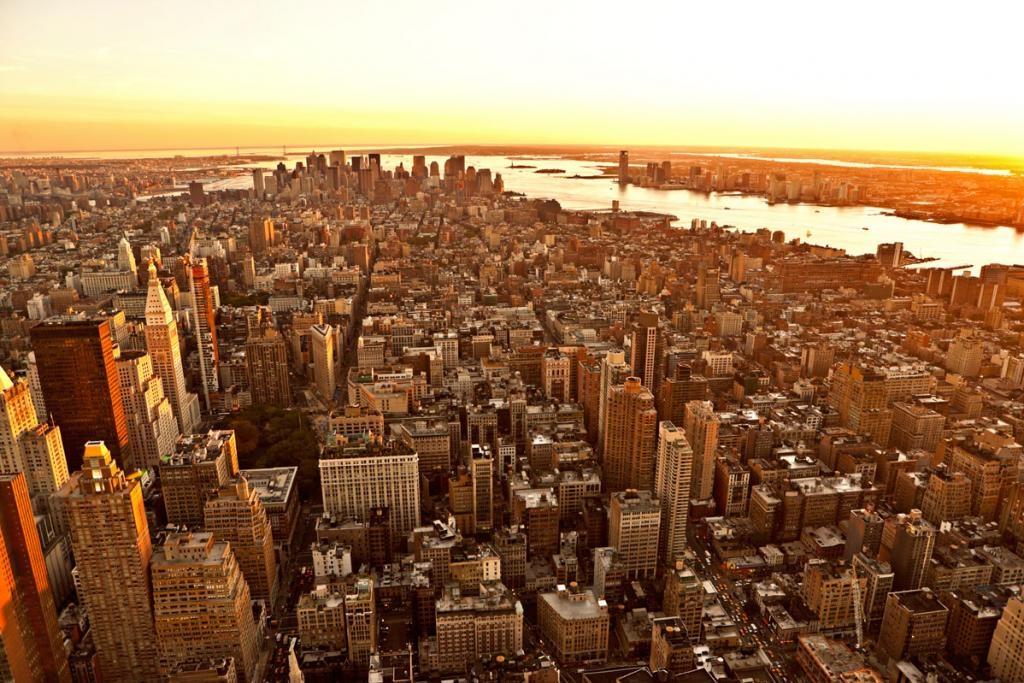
(126, 75)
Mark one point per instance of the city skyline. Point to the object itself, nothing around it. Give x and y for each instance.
(787, 76)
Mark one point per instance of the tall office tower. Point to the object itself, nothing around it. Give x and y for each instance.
(630, 433)
(26, 600)
(110, 537)
(701, 426)
(646, 351)
(259, 188)
(152, 429)
(675, 392)
(481, 468)
(205, 318)
(78, 373)
(380, 475)
(623, 167)
(914, 624)
(907, 544)
(266, 363)
(201, 604)
(236, 514)
(324, 371)
(672, 486)
(46, 466)
(708, 292)
(261, 235)
(126, 260)
(200, 465)
(35, 387)
(1006, 654)
(17, 416)
(634, 519)
(165, 353)
(614, 371)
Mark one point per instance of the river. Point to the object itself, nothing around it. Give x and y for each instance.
(843, 227)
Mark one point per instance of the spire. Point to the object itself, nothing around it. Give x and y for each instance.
(158, 310)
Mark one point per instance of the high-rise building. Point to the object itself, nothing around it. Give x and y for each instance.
(26, 599)
(701, 427)
(204, 316)
(965, 355)
(623, 167)
(17, 416)
(152, 429)
(126, 260)
(472, 626)
(684, 598)
(46, 466)
(266, 362)
(325, 373)
(672, 486)
(110, 537)
(907, 544)
(914, 624)
(481, 469)
(614, 371)
(236, 514)
(1006, 654)
(575, 623)
(200, 465)
(878, 578)
(708, 288)
(646, 350)
(164, 349)
(35, 387)
(675, 392)
(361, 621)
(201, 604)
(947, 497)
(830, 592)
(634, 519)
(629, 439)
(355, 479)
(78, 374)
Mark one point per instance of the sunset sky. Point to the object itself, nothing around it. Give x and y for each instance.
(866, 75)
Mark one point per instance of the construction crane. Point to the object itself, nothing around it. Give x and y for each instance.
(858, 606)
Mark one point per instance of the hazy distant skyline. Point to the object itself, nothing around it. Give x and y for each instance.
(878, 76)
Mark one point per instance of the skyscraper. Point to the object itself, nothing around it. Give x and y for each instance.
(907, 544)
(165, 352)
(634, 518)
(110, 537)
(672, 486)
(708, 291)
(324, 372)
(646, 351)
(34, 610)
(78, 374)
(236, 514)
(614, 371)
(630, 431)
(623, 167)
(126, 260)
(17, 416)
(266, 361)
(201, 604)
(152, 429)
(46, 466)
(701, 425)
(205, 318)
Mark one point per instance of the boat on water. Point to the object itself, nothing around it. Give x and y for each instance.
(865, 228)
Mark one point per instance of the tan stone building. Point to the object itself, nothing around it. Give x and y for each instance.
(575, 623)
(236, 514)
